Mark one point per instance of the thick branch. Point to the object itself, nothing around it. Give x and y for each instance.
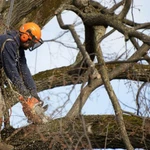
(64, 133)
(59, 77)
(87, 90)
(115, 102)
(125, 9)
(109, 20)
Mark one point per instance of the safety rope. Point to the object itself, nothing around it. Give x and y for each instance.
(9, 15)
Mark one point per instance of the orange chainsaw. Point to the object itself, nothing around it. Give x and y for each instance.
(33, 110)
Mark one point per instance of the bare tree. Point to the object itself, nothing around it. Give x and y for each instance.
(76, 131)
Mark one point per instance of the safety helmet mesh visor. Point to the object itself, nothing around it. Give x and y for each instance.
(36, 44)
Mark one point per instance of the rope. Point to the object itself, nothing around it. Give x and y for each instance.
(9, 15)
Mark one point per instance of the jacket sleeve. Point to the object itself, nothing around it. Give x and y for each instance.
(9, 60)
(26, 75)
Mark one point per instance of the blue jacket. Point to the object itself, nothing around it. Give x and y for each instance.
(14, 63)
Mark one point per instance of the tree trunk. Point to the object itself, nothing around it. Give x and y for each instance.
(39, 11)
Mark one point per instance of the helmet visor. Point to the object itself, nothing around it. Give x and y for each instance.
(36, 44)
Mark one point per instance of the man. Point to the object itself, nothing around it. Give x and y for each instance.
(13, 59)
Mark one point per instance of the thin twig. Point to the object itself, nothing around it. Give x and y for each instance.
(137, 97)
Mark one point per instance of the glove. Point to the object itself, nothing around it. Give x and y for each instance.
(31, 102)
(33, 93)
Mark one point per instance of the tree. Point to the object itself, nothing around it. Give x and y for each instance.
(76, 131)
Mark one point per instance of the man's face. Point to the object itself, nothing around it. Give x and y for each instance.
(27, 45)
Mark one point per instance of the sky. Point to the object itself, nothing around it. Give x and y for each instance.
(53, 55)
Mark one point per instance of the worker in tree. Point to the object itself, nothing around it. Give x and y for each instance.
(13, 60)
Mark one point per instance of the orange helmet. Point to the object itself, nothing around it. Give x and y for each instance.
(30, 31)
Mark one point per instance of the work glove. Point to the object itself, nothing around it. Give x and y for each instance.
(30, 101)
(35, 95)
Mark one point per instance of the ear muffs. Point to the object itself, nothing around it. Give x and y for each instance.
(24, 37)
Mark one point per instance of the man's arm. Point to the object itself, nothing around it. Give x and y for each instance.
(9, 60)
(26, 75)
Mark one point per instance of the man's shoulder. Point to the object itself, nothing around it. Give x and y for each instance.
(11, 35)
(5, 37)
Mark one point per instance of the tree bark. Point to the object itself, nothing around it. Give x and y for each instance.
(40, 12)
(64, 133)
(59, 76)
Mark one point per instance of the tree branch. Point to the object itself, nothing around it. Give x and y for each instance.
(115, 103)
(77, 40)
(125, 10)
(65, 133)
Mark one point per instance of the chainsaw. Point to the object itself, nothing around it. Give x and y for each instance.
(33, 110)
